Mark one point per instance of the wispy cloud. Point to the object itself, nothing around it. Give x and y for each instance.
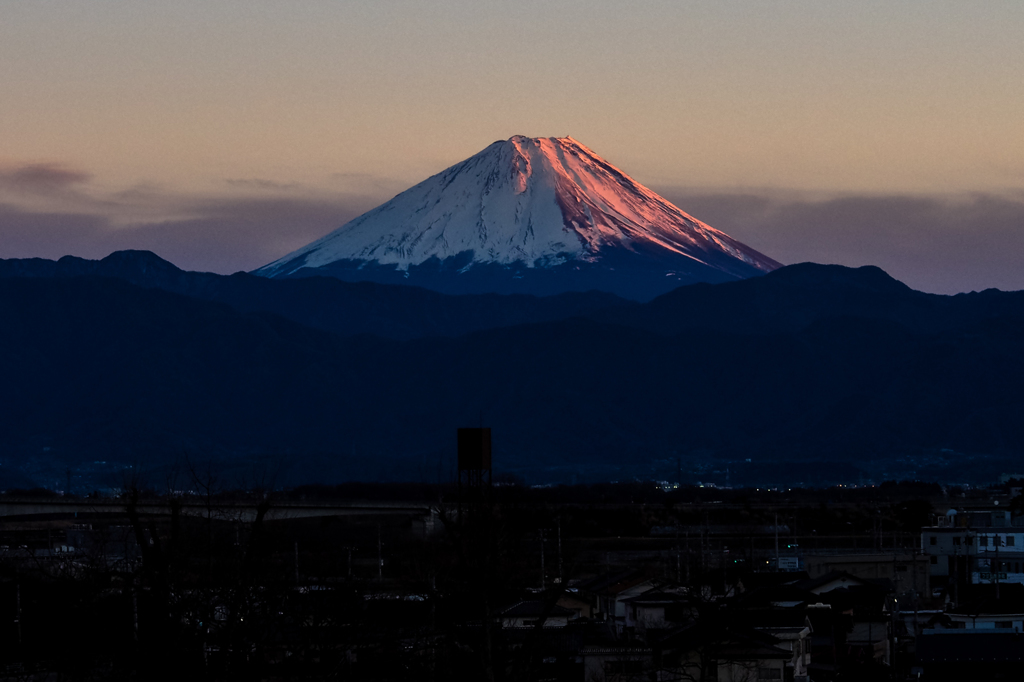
(42, 178)
(260, 183)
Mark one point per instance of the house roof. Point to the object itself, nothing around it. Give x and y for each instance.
(587, 637)
(842, 577)
(971, 646)
(786, 632)
(978, 600)
(615, 650)
(777, 595)
(775, 620)
(534, 609)
(753, 581)
(742, 643)
(990, 606)
(751, 648)
(861, 599)
(656, 596)
(549, 641)
(613, 583)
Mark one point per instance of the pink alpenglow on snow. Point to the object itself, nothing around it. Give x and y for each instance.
(530, 215)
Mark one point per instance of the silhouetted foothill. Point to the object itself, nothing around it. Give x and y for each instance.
(841, 367)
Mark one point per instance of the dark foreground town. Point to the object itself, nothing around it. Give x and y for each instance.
(636, 581)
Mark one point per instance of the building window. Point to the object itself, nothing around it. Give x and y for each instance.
(956, 541)
(983, 541)
(1009, 541)
(968, 540)
(935, 559)
(769, 674)
(901, 569)
(1016, 567)
(1004, 624)
(933, 540)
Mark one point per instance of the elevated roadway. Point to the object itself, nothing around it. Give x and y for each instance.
(234, 510)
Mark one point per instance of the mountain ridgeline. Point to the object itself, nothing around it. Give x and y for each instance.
(130, 359)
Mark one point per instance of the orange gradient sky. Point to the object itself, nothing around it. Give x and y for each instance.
(135, 118)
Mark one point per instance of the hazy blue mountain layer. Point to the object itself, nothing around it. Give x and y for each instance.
(812, 364)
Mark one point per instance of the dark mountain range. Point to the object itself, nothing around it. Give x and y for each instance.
(345, 308)
(815, 366)
(792, 298)
(786, 300)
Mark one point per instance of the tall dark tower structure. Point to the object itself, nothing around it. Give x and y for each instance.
(474, 462)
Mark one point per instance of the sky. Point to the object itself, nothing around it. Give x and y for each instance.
(222, 134)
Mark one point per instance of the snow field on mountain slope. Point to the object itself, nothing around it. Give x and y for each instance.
(475, 205)
(525, 200)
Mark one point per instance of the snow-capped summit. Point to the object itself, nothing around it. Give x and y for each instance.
(532, 215)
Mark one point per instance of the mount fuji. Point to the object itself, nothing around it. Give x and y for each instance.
(528, 215)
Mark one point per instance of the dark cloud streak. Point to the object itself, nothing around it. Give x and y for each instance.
(936, 244)
(42, 178)
(260, 183)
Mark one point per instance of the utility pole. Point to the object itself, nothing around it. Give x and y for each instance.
(956, 576)
(998, 566)
(542, 560)
(561, 575)
(895, 604)
(776, 542)
(687, 557)
(705, 543)
(725, 581)
(895, 640)
(895, 573)
(917, 627)
(135, 611)
(17, 611)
